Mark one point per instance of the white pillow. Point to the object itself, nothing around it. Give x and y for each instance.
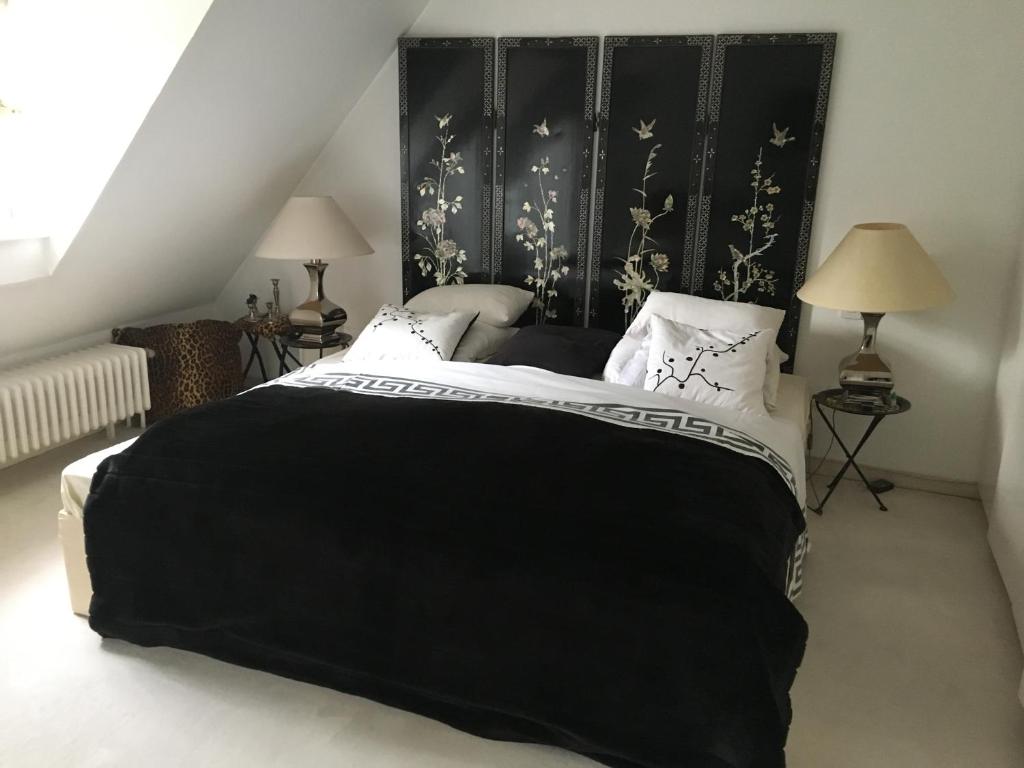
(631, 369)
(629, 354)
(499, 305)
(706, 313)
(717, 367)
(481, 341)
(398, 333)
(623, 354)
(627, 364)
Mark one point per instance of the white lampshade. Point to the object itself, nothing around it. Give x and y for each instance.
(311, 229)
(877, 268)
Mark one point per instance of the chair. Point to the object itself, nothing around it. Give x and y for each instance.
(194, 363)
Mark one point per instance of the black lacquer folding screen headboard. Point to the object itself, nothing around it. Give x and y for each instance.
(707, 158)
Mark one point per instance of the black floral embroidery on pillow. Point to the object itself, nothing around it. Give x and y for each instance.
(392, 314)
(667, 371)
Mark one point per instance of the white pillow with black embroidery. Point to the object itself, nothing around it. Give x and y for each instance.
(397, 333)
(723, 368)
(627, 364)
(628, 360)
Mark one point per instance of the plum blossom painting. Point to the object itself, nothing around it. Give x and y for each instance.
(544, 123)
(766, 117)
(650, 152)
(445, 110)
(759, 222)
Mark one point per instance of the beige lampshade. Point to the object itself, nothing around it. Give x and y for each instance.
(311, 228)
(877, 268)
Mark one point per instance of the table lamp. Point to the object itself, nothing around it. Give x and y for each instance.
(313, 229)
(877, 268)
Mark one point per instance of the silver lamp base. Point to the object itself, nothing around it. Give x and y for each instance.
(317, 319)
(864, 375)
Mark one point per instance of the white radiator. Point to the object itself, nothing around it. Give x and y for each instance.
(54, 401)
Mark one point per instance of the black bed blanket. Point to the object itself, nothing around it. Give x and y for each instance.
(517, 572)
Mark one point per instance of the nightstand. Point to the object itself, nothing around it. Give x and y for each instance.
(265, 328)
(286, 342)
(836, 400)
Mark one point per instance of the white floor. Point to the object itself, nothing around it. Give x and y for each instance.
(912, 661)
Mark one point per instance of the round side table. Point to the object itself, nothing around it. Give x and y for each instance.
(265, 327)
(287, 341)
(839, 400)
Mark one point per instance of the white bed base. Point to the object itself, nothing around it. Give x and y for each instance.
(72, 542)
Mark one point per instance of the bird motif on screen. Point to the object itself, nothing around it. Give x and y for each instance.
(542, 129)
(780, 139)
(645, 131)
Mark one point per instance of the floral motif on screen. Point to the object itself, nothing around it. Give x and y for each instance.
(441, 255)
(644, 264)
(747, 272)
(536, 234)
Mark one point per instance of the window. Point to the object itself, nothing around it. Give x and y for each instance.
(77, 79)
(21, 183)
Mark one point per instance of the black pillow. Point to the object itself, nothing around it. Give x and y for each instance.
(558, 348)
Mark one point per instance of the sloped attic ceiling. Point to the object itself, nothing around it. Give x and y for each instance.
(257, 93)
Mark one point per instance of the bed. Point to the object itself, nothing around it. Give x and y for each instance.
(392, 581)
(792, 414)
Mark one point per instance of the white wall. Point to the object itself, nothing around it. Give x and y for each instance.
(1003, 479)
(257, 93)
(73, 343)
(359, 167)
(924, 127)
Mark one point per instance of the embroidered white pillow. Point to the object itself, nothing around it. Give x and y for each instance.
(723, 368)
(628, 365)
(692, 310)
(397, 333)
(499, 305)
(629, 357)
